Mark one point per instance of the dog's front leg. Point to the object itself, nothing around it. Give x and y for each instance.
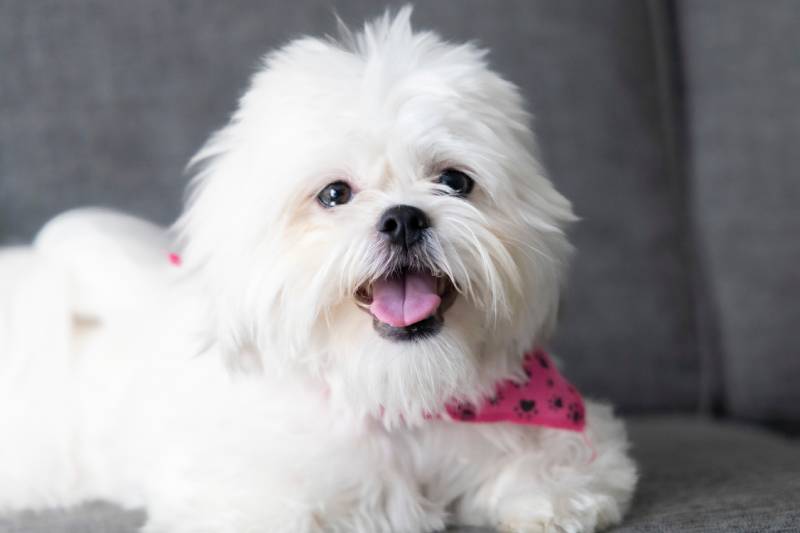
(527, 479)
(358, 486)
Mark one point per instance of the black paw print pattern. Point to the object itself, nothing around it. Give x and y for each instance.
(526, 409)
(464, 411)
(575, 413)
(544, 398)
(555, 403)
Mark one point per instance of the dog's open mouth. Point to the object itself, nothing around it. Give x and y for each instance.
(407, 305)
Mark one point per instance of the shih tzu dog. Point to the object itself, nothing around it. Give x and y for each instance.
(345, 332)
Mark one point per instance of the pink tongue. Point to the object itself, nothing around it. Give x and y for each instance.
(404, 300)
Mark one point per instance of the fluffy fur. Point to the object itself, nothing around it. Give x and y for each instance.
(245, 391)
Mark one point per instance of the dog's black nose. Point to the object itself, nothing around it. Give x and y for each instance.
(403, 225)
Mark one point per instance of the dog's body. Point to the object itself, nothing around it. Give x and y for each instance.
(242, 388)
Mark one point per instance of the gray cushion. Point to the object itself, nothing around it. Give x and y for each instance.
(743, 81)
(104, 104)
(713, 477)
(696, 476)
(91, 518)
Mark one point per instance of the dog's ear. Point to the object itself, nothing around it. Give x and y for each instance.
(544, 264)
(552, 319)
(548, 327)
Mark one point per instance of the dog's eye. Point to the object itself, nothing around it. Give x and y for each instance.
(336, 193)
(460, 183)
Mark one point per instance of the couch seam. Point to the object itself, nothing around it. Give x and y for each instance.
(668, 57)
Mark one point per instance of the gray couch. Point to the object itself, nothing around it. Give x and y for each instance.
(673, 126)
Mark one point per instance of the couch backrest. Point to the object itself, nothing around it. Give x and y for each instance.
(742, 78)
(672, 127)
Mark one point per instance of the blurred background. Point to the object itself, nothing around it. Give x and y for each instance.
(673, 126)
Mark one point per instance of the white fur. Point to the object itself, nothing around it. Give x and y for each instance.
(244, 392)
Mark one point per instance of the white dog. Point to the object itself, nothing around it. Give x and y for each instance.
(369, 250)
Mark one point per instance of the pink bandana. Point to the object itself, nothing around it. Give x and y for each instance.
(545, 399)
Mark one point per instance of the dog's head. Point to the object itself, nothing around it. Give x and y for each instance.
(374, 214)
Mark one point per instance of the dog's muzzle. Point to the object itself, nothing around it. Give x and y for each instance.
(408, 302)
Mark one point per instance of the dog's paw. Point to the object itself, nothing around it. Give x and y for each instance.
(526, 515)
(574, 514)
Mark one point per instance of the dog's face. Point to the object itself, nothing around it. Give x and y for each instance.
(374, 215)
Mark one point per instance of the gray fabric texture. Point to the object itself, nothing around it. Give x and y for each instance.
(696, 476)
(104, 103)
(706, 476)
(95, 517)
(742, 72)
